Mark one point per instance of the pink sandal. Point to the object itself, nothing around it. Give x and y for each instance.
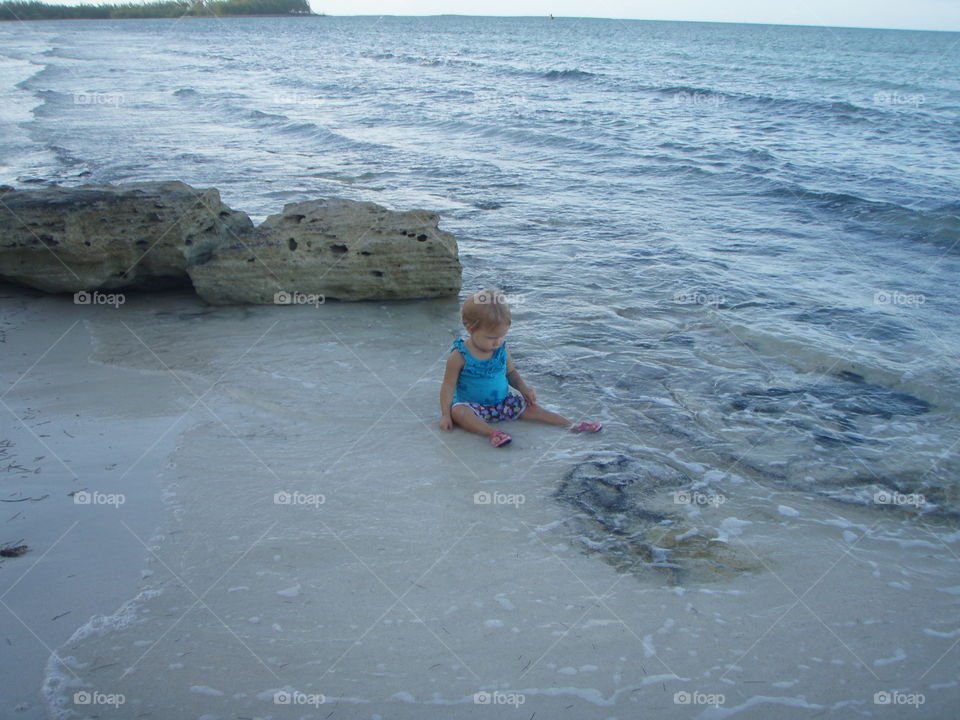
(586, 427)
(499, 438)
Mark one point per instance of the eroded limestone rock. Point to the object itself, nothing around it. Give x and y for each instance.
(134, 235)
(336, 248)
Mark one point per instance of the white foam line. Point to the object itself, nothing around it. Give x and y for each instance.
(56, 684)
(718, 713)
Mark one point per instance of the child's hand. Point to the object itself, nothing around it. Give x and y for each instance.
(446, 423)
(528, 394)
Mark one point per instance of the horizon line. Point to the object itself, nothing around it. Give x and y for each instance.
(323, 13)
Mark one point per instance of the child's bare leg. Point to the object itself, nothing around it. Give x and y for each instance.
(468, 420)
(535, 412)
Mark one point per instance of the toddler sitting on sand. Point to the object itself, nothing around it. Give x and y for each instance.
(479, 374)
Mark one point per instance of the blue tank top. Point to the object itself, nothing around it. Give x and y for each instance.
(482, 381)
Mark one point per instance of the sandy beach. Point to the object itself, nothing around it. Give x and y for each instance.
(276, 528)
(72, 425)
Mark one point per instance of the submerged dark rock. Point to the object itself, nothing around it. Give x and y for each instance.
(629, 514)
(846, 392)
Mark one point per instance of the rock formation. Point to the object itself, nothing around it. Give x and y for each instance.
(136, 235)
(340, 249)
(154, 235)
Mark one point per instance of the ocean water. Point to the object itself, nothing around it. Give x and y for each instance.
(740, 237)
(735, 245)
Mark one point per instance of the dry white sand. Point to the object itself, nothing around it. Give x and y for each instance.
(298, 540)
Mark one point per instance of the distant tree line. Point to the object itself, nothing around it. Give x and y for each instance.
(31, 10)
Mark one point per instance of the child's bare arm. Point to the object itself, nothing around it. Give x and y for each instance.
(513, 377)
(451, 372)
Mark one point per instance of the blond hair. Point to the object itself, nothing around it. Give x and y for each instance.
(485, 309)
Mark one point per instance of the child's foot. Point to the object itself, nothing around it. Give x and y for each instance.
(499, 438)
(586, 427)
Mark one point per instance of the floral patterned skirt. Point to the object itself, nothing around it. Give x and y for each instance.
(510, 408)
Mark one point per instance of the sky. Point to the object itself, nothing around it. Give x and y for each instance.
(906, 14)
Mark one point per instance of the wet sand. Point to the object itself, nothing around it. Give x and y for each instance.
(298, 539)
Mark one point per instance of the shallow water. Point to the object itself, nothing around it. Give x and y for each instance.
(762, 211)
(323, 542)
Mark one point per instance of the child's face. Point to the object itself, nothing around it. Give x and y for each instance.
(488, 339)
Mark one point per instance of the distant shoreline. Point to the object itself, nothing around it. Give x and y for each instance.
(166, 17)
(24, 10)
